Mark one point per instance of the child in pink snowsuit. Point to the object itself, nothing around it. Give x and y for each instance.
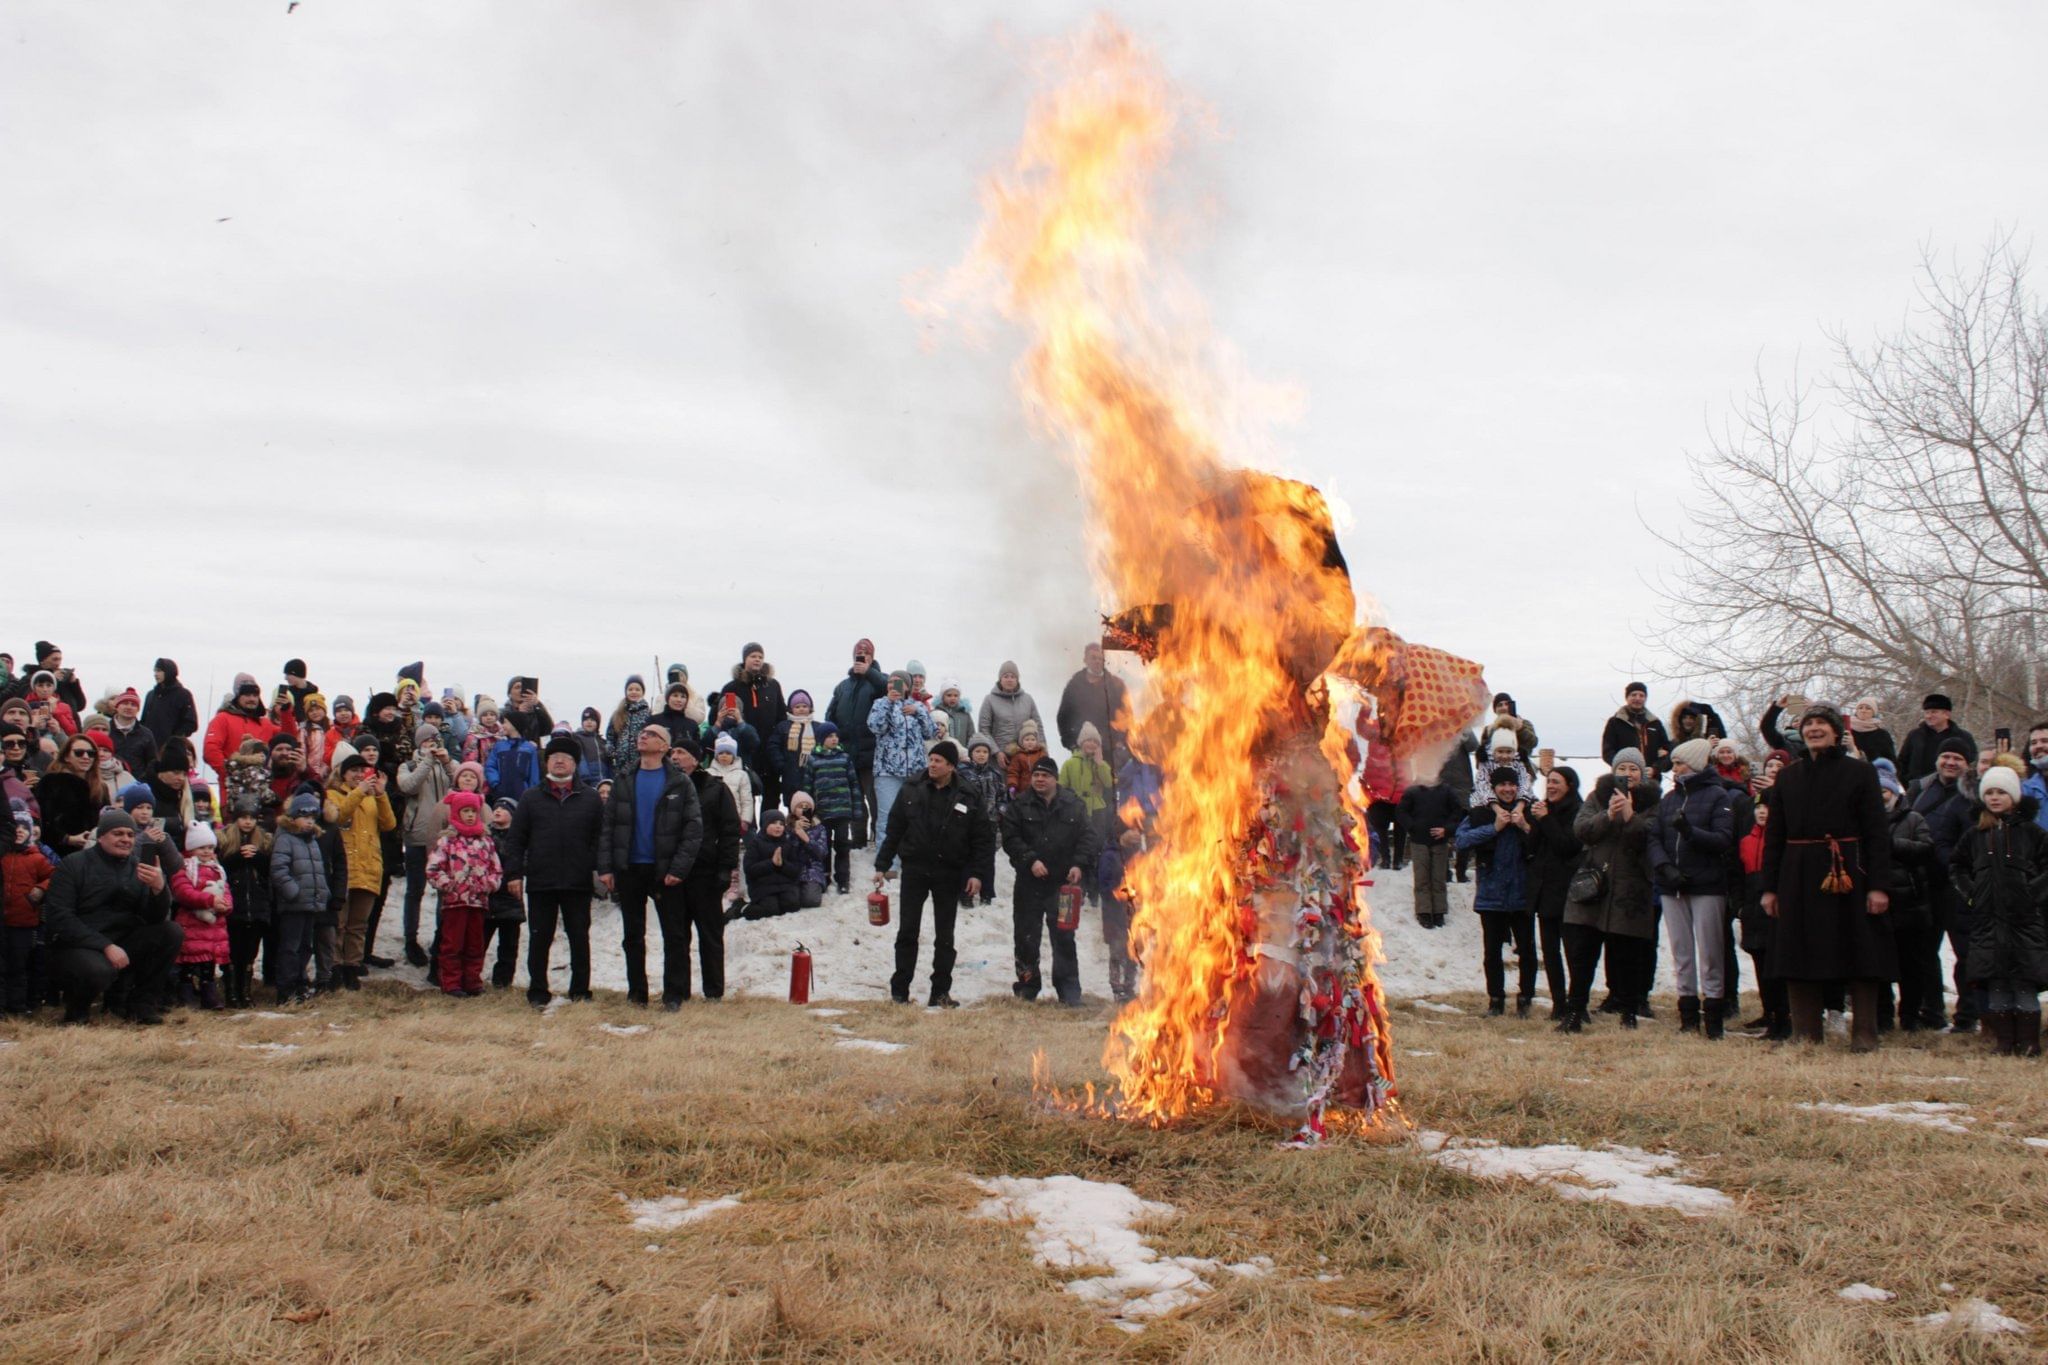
(200, 891)
(463, 867)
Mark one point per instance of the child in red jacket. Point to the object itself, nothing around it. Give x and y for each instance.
(200, 891)
(26, 875)
(464, 869)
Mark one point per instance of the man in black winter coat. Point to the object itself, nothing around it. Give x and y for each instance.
(718, 857)
(866, 683)
(652, 830)
(1923, 745)
(1944, 798)
(941, 830)
(554, 843)
(1093, 696)
(1431, 813)
(1633, 727)
(1051, 842)
(107, 927)
(168, 710)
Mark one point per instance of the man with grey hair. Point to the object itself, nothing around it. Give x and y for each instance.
(107, 927)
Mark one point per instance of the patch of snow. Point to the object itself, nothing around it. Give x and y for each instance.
(671, 1211)
(826, 1014)
(273, 1049)
(337, 1028)
(1947, 1118)
(1578, 1080)
(870, 1044)
(652, 1246)
(1622, 1175)
(1936, 1080)
(1864, 1293)
(267, 1014)
(1973, 1315)
(624, 1030)
(1945, 1287)
(1433, 1006)
(1326, 1277)
(2036, 1142)
(1420, 1052)
(1090, 1223)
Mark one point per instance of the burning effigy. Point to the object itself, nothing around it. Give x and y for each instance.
(1269, 714)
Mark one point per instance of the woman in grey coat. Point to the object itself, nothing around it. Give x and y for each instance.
(1004, 711)
(1615, 826)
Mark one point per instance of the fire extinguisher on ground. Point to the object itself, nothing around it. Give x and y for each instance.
(800, 976)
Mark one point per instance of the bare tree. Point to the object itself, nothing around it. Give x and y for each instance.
(1885, 531)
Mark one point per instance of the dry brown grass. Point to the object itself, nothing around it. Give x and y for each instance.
(440, 1182)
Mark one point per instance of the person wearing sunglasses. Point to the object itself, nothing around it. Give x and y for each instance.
(16, 782)
(72, 794)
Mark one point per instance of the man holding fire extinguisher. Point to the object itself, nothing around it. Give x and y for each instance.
(939, 826)
(1050, 839)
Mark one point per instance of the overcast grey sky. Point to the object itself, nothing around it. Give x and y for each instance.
(546, 338)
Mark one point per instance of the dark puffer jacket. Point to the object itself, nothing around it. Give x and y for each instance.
(765, 876)
(555, 838)
(1692, 837)
(168, 710)
(2001, 869)
(938, 829)
(678, 825)
(1629, 906)
(718, 855)
(1057, 833)
(1555, 856)
(92, 899)
(852, 699)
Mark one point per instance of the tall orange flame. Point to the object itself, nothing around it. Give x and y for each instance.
(1234, 711)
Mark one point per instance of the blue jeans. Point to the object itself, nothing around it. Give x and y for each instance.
(886, 791)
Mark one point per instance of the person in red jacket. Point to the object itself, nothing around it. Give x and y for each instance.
(240, 717)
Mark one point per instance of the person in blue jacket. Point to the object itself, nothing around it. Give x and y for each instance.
(1498, 835)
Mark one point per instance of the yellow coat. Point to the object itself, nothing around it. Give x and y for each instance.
(361, 817)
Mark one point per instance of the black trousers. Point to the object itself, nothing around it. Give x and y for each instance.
(1549, 929)
(1499, 925)
(415, 888)
(942, 887)
(506, 967)
(294, 949)
(839, 834)
(1033, 908)
(864, 805)
(1628, 959)
(632, 889)
(544, 910)
(1920, 995)
(698, 904)
(20, 968)
(1383, 818)
(1956, 919)
(83, 974)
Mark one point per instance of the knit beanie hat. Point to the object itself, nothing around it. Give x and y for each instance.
(726, 744)
(1503, 738)
(1953, 745)
(474, 767)
(313, 699)
(590, 713)
(199, 836)
(1999, 779)
(305, 803)
(111, 819)
(914, 667)
(980, 741)
(1504, 777)
(1046, 765)
(799, 698)
(823, 729)
(458, 802)
(632, 678)
(751, 647)
(423, 733)
(135, 794)
(1696, 754)
(773, 816)
(947, 750)
(345, 702)
(1622, 756)
(1088, 732)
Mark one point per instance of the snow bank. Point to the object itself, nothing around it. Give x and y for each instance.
(1948, 1118)
(672, 1211)
(1973, 1315)
(1090, 1223)
(1622, 1175)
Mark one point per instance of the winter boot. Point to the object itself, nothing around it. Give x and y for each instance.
(2001, 1032)
(188, 987)
(247, 977)
(351, 978)
(1628, 1017)
(1571, 1021)
(415, 954)
(209, 991)
(1863, 1016)
(1689, 1013)
(1496, 1007)
(1522, 1004)
(1777, 1026)
(1712, 1012)
(2027, 1033)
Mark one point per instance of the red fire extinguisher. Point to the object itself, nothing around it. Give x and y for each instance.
(800, 976)
(878, 907)
(1069, 917)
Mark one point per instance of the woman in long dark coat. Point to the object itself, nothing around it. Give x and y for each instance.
(1622, 919)
(1827, 862)
(1554, 856)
